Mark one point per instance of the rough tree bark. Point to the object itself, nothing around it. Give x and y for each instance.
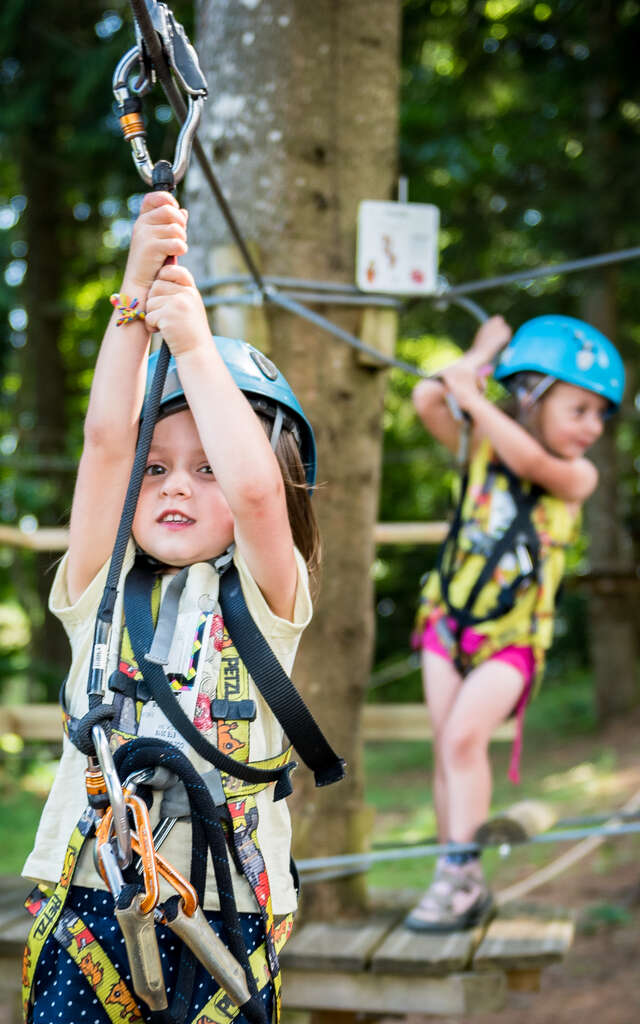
(612, 617)
(301, 124)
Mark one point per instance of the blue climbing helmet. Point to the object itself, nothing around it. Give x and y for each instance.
(569, 350)
(260, 380)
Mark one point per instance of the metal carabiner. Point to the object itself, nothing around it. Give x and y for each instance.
(115, 794)
(182, 60)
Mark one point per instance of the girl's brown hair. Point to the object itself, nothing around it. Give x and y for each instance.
(304, 526)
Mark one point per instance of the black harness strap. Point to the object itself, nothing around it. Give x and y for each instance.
(520, 531)
(207, 836)
(139, 619)
(275, 685)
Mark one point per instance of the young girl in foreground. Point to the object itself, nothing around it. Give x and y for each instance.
(486, 613)
(218, 474)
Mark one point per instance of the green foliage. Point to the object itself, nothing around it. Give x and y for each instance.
(520, 121)
(603, 916)
(68, 196)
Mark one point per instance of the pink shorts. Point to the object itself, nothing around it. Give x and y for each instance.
(521, 658)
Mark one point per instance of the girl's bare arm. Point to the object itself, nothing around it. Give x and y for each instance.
(573, 480)
(430, 396)
(233, 438)
(117, 391)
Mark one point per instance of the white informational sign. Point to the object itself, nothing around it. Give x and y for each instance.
(397, 250)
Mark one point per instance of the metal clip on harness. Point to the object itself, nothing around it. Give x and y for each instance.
(137, 912)
(182, 61)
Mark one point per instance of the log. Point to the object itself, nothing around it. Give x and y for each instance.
(517, 824)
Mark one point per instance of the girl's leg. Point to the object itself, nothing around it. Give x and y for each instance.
(489, 695)
(442, 682)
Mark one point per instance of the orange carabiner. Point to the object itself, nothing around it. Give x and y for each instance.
(142, 843)
(184, 889)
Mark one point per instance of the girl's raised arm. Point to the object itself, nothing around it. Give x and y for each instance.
(115, 401)
(233, 439)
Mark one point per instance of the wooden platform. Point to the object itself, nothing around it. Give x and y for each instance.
(378, 967)
(373, 966)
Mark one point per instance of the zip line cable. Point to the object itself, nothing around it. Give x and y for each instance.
(268, 292)
(356, 863)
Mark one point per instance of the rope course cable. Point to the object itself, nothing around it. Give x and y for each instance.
(268, 289)
(318, 869)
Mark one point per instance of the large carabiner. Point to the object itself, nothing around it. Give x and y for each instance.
(182, 61)
(117, 802)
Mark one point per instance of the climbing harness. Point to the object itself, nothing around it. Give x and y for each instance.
(120, 782)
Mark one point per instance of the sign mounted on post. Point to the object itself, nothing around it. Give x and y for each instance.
(397, 249)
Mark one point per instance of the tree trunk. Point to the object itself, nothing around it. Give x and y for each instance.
(44, 381)
(301, 125)
(612, 619)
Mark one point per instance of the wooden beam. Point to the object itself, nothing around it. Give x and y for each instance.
(379, 722)
(32, 721)
(57, 538)
(388, 994)
(44, 539)
(410, 722)
(410, 533)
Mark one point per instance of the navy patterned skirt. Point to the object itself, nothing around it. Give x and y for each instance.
(62, 995)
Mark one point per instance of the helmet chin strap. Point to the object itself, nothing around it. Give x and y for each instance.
(277, 427)
(527, 399)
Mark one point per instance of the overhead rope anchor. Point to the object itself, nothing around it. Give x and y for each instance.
(182, 61)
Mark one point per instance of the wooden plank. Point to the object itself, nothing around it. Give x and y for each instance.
(410, 533)
(340, 946)
(408, 952)
(388, 994)
(32, 721)
(410, 722)
(525, 937)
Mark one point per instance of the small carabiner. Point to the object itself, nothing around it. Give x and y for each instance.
(115, 794)
(182, 61)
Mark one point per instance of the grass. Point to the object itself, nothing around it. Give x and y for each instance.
(565, 762)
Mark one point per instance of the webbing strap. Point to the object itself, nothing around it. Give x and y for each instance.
(219, 1009)
(51, 909)
(137, 604)
(114, 995)
(274, 684)
(521, 524)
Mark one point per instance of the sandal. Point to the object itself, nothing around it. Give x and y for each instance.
(458, 898)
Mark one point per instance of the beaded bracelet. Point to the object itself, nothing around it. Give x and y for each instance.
(126, 308)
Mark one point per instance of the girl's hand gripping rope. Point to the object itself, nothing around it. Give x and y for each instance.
(175, 308)
(159, 234)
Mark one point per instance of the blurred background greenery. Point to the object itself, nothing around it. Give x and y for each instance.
(520, 120)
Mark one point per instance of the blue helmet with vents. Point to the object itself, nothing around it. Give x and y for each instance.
(569, 350)
(260, 380)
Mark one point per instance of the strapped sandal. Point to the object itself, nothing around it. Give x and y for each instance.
(458, 898)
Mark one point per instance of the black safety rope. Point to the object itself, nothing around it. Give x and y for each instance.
(207, 837)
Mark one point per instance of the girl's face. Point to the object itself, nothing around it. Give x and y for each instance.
(182, 516)
(570, 419)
